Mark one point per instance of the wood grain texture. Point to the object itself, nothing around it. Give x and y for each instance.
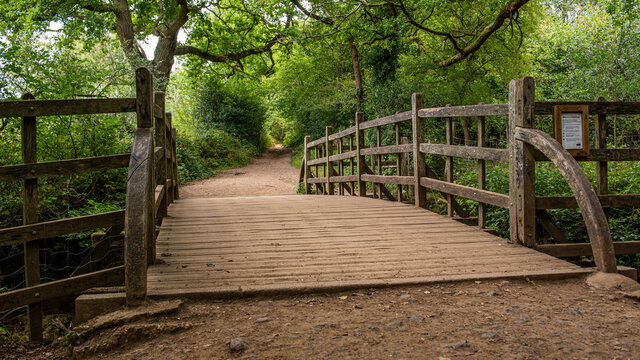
(60, 288)
(592, 212)
(466, 110)
(49, 229)
(419, 161)
(139, 190)
(467, 152)
(31, 108)
(296, 243)
(30, 216)
(63, 167)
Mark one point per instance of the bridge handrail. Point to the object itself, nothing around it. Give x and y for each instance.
(153, 166)
(320, 176)
(588, 202)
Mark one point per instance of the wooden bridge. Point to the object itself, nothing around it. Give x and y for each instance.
(235, 246)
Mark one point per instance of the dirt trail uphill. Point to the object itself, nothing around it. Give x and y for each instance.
(270, 174)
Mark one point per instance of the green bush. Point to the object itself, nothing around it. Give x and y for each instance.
(236, 111)
(199, 157)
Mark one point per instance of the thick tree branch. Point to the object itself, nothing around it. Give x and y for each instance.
(223, 58)
(322, 19)
(504, 14)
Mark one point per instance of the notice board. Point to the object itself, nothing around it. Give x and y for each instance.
(571, 128)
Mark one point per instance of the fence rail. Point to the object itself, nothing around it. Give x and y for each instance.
(343, 159)
(151, 187)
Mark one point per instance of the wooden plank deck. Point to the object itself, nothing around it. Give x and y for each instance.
(224, 247)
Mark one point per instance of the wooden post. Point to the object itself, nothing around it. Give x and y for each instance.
(482, 174)
(362, 186)
(419, 164)
(318, 155)
(144, 98)
(174, 160)
(522, 202)
(398, 162)
(169, 176)
(139, 216)
(372, 158)
(448, 168)
(307, 168)
(30, 216)
(602, 167)
(329, 166)
(160, 168)
(379, 160)
(340, 168)
(351, 164)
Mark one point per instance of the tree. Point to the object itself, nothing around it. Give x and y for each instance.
(234, 32)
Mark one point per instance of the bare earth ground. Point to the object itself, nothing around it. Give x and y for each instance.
(269, 174)
(564, 319)
(487, 320)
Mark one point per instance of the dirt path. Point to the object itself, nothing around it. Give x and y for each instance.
(471, 320)
(269, 174)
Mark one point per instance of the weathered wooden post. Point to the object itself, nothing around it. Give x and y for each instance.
(161, 168)
(351, 164)
(379, 160)
(30, 216)
(419, 161)
(328, 172)
(307, 168)
(482, 175)
(362, 186)
(522, 202)
(139, 217)
(174, 160)
(340, 168)
(602, 167)
(398, 162)
(448, 168)
(169, 155)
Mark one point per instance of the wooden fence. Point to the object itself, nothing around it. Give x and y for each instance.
(152, 185)
(344, 159)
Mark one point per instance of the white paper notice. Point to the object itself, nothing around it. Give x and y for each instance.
(572, 131)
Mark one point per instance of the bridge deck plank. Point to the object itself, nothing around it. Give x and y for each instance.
(234, 246)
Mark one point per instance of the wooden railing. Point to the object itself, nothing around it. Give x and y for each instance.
(343, 158)
(152, 185)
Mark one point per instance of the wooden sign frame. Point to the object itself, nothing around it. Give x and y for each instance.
(558, 110)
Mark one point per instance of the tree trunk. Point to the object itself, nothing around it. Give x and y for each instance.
(465, 130)
(355, 59)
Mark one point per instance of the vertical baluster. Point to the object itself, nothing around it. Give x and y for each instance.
(30, 216)
(448, 169)
(398, 162)
(379, 159)
(482, 177)
(419, 161)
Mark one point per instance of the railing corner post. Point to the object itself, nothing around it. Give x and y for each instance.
(522, 198)
(419, 164)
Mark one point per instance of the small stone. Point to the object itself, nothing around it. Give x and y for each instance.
(395, 323)
(489, 335)
(493, 293)
(405, 297)
(262, 320)
(524, 318)
(237, 344)
(457, 345)
(357, 306)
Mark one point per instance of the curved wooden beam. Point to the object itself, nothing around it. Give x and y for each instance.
(137, 220)
(588, 202)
